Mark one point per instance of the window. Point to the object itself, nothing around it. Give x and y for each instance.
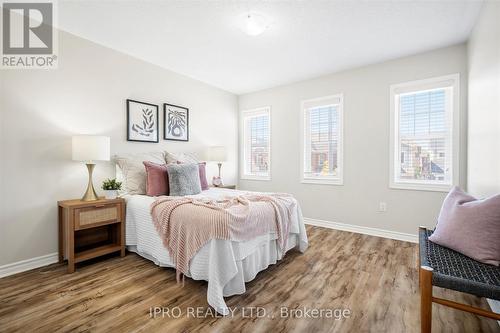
(322, 139)
(257, 144)
(424, 134)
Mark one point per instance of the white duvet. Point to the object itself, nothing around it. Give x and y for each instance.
(225, 264)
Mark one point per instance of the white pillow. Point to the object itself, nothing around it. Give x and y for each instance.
(131, 172)
(181, 157)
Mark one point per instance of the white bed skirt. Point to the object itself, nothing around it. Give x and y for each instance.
(226, 277)
(226, 265)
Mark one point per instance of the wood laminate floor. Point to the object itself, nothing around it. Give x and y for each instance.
(375, 278)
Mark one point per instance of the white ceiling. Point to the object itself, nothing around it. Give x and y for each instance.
(202, 39)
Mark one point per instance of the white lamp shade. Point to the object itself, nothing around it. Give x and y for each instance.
(217, 153)
(90, 148)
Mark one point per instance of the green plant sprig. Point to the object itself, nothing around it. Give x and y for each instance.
(111, 184)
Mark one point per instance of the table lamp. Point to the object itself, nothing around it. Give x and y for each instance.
(217, 154)
(90, 148)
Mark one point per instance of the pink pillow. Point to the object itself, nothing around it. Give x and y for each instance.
(156, 179)
(203, 174)
(470, 226)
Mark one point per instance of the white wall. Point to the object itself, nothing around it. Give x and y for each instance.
(483, 177)
(41, 110)
(484, 103)
(366, 143)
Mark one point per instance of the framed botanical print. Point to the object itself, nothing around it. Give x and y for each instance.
(142, 121)
(175, 122)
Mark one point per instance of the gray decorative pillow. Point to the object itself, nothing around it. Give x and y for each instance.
(183, 179)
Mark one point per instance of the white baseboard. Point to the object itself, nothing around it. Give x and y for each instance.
(363, 230)
(26, 265)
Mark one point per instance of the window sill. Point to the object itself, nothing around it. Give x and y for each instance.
(322, 181)
(420, 187)
(261, 178)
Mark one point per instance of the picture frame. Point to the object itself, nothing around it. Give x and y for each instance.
(142, 121)
(175, 122)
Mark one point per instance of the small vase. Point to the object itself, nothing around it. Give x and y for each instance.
(110, 194)
(217, 181)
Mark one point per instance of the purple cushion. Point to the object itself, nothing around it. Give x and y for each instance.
(203, 174)
(156, 179)
(470, 226)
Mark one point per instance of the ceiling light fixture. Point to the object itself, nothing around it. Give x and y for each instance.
(255, 24)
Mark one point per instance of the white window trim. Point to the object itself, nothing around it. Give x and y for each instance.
(452, 80)
(244, 114)
(323, 180)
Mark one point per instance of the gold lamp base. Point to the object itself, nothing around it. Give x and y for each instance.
(90, 194)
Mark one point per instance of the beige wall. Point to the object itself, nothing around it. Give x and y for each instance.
(41, 110)
(483, 175)
(366, 143)
(484, 103)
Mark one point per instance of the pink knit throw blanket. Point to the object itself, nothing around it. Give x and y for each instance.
(185, 225)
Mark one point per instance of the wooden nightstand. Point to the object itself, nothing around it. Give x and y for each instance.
(231, 187)
(89, 229)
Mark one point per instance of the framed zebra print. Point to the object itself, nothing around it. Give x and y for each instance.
(175, 122)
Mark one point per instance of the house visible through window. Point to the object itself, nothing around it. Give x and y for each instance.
(256, 141)
(423, 137)
(322, 140)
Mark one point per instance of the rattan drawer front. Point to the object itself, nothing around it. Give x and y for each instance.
(93, 216)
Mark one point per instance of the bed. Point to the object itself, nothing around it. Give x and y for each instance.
(225, 264)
